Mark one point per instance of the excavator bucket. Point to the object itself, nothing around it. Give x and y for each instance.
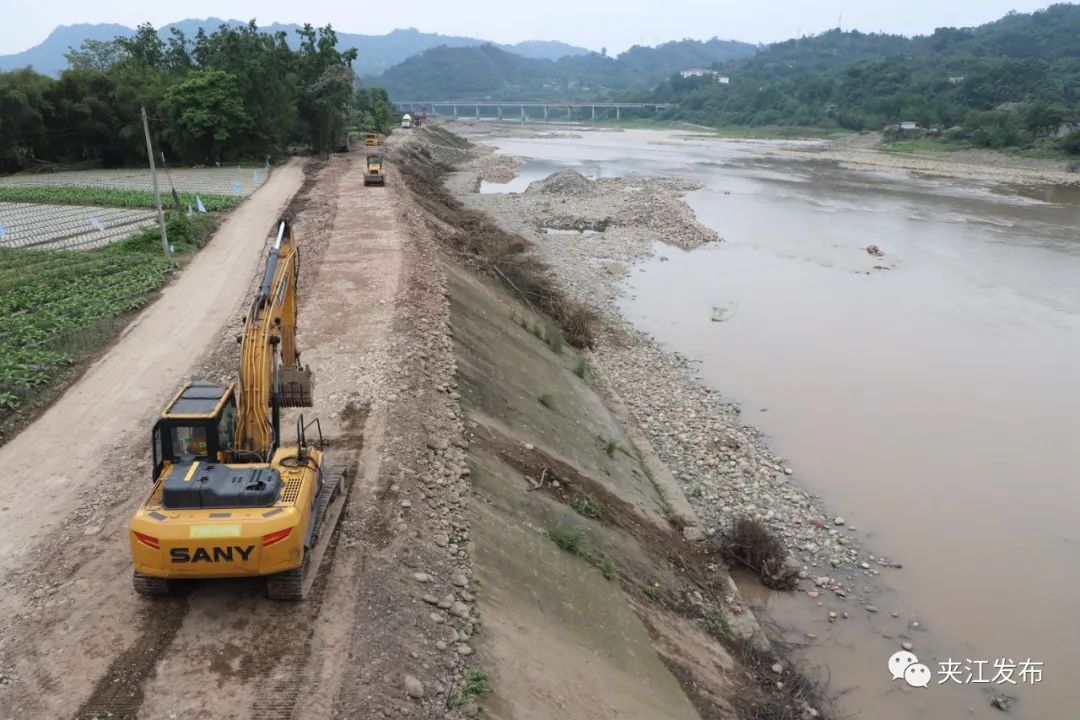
(294, 387)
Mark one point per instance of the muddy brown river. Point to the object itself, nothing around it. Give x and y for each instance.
(930, 396)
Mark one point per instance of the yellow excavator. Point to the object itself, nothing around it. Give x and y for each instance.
(229, 500)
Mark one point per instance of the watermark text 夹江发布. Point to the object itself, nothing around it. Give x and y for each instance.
(1002, 671)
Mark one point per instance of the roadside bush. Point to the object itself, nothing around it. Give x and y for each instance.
(1071, 143)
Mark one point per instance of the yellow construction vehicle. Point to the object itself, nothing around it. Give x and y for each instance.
(374, 174)
(371, 138)
(228, 499)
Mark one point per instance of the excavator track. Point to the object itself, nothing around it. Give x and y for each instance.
(150, 585)
(296, 584)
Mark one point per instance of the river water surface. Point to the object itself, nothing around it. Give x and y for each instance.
(934, 403)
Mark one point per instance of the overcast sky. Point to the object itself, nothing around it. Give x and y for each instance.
(615, 25)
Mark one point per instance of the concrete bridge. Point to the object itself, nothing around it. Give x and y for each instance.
(525, 110)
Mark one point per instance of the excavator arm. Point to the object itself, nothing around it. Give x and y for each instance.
(271, 376)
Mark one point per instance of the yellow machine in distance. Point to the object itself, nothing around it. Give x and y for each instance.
(228, 500)
(371, 139)
(374, 173)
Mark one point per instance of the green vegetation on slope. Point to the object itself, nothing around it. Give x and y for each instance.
(234, 93)
(1007, 83)
(473, 73)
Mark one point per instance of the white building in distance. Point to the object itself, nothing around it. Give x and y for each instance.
(705, 72)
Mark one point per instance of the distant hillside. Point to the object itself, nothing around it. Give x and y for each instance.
(488, 71)
(48, 56)
(1014, 81)
(375, 53)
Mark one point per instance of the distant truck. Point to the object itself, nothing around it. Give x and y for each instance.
(406, 121)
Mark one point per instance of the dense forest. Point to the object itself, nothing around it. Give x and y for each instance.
(234, 93)
(1007, 83)
(446, 73)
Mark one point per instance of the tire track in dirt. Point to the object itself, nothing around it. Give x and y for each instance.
(119, 694)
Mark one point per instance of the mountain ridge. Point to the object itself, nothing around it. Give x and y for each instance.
(375, 52)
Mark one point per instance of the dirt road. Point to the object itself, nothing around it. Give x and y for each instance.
(75, 641)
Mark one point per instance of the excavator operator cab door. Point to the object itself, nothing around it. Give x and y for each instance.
(186, 437)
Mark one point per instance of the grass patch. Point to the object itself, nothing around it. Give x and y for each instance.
(555, 340)
(110, 197)
(570, 539)
(921, 145)
(609, 445)
(607, 568)
(475, 684)
(717, 625)
(547, 400)
(653, 590)
(586, 504)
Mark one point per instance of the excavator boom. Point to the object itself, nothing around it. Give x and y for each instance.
(271, 376)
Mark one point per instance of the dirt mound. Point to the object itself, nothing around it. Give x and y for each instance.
(564, 182)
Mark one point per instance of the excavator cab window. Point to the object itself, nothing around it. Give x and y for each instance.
(188, 442)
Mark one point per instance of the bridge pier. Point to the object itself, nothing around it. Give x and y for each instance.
(500, 112)
(455, 112)
(478, 112)
(522, 114)
(594, 113)
(569, 113)
(545, 113)
(618, 112)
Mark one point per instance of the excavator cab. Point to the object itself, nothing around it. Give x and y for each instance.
(198, 424)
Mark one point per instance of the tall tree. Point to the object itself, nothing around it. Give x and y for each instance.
(204, 112)
(326, 85)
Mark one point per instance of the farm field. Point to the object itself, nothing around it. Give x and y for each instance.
(59, 304)
(79, 251)
(68, 227)
(235, 181)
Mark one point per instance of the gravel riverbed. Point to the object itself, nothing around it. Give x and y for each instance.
(591, 233)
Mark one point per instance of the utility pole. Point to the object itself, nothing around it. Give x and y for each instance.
(153, 176)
